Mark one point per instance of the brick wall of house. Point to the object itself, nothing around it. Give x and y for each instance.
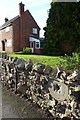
(16, 35)
(27, 23)
(6, 36)
(39, 51)
(19, 32)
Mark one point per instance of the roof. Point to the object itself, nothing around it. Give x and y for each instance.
(33, 38)
(32, 18)
(9, 22)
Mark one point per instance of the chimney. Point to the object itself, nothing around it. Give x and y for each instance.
(21, 8)
(6, 19)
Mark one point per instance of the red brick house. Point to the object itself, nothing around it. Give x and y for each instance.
(20, 32)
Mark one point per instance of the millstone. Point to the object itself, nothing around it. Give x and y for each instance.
(58, 90)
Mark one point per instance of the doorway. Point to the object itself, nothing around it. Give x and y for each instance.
(32, 46)
(3, 45)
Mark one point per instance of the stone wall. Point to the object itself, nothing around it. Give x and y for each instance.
(54, 90)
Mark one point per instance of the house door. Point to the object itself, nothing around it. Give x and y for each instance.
(3, 45)
(32, 46)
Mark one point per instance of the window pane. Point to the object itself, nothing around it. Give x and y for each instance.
(34, 30)
(41, 44)
(37, 44)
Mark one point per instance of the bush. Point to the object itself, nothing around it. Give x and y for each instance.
(78, 49)
(71, 63)
(27, 50)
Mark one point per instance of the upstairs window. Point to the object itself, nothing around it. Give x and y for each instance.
(35, 31)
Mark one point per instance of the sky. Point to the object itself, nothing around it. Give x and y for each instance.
(38, 9)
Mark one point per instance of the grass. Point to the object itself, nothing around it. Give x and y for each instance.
(52, 61)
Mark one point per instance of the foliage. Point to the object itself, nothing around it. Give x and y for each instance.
(27, 50)
(62, 33)
(78, 49)
(53, 61)
(71, 63)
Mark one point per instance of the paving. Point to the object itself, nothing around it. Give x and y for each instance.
(15, 107)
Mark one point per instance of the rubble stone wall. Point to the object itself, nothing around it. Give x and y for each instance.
(54, 90)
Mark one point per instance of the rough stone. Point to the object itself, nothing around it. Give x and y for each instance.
(28, 65)
(38, 68)
(20, 64)
(52, 89)
(58, 90)
(47, 70)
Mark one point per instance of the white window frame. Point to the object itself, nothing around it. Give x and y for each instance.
(35, 31)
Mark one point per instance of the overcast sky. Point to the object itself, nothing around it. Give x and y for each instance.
(38, 9)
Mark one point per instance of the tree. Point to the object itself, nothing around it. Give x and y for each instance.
(62, 33)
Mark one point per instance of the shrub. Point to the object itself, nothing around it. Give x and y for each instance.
(78, 49)
(27, 50)
(71, 63)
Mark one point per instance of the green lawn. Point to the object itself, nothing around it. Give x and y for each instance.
(53, 61)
